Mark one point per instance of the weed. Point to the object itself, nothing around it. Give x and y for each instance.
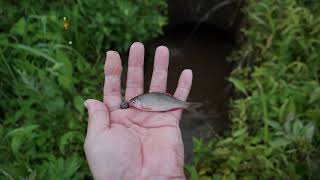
(275, 115)
(47, 71)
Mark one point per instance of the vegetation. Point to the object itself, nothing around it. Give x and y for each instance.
(275, 116)
(47, 72)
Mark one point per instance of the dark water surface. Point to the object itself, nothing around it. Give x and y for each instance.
(205, 53)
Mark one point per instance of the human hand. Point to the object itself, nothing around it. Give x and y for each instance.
(129, 143)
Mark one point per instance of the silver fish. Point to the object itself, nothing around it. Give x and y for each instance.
(156, 101)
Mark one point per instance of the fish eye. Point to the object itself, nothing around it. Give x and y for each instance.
(133, 102)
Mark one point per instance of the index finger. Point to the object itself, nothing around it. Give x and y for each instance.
(111, 90)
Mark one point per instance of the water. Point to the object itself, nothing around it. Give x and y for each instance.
(205, 17)
(205, 53)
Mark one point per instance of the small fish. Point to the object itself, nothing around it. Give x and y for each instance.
(156, 101)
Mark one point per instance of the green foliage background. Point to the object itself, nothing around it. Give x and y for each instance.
(276, 112)
(44, 79)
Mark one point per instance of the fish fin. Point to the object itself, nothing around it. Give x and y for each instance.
(192, 106)
(175, 109)
(146, 109)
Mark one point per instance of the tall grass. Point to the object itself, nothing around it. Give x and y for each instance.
(47, 72)
(276, 112)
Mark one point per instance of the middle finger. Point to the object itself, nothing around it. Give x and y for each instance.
(160, 70)
(134, 85)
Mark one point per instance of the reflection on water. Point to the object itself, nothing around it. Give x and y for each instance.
(205, 53)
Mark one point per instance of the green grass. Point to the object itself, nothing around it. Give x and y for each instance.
(44, 79)
(275, 115)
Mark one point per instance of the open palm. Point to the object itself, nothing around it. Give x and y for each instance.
(130, 143)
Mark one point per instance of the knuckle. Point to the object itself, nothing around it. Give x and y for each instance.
(160, 74)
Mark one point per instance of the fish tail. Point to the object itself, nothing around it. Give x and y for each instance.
(192, 106)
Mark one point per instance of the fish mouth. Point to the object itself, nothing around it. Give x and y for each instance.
(124, 105)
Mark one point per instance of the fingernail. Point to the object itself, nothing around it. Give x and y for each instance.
(162, 49)
(111, 53)
(137, 45)
(188, 71)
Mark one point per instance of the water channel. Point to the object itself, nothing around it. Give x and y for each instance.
(205, 53)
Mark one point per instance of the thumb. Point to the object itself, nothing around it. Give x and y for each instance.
(98, 117)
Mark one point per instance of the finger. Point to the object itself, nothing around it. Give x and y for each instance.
(111, 90)
(183, 89)
(160, 70)
(134, 85)
(98, 117)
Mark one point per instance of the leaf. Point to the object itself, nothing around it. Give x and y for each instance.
(3, 39)
(56, 105)
(6, 174)
(297, 128)
(287, 126)
(35, 52)
(19, 27)
(203, 171)
(283, 110)
(224, 141)
(67, 138)
(238, 84)
(78, 103)
(72, 165)
(315, 96)
(16, 142)
(221, 152)
(65, 82)
(23, 130)
(193, 172)
(19, 136)
(217, 177)
(279, 142)
(33, 175)
(308, 132)
(291, 109)
(63, 168)
(66, 67)
(197, 143)
(1, 130)
(65, 77)
(257, 19)
(274, 124)
(313, 114)
(232, 176)
(239, 132)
